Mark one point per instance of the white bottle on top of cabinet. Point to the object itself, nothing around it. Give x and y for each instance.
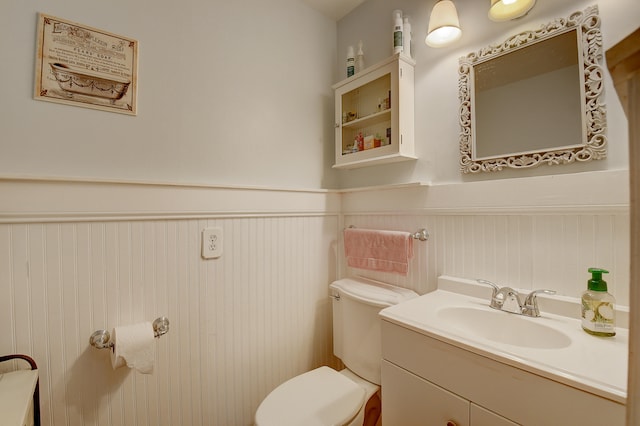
(378, 102)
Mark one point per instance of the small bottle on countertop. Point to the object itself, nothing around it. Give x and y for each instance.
(598, 306)
(351, 62)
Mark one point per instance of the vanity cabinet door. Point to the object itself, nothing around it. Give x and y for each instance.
(483, 417)
(409, 400)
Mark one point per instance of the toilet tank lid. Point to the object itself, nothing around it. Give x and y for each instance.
(372, 292)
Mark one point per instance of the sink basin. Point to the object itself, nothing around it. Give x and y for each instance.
(552, 346)
(503, 327)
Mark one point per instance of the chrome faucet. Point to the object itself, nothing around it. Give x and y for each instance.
(508, 300)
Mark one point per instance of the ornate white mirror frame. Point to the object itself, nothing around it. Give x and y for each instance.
(593, 145)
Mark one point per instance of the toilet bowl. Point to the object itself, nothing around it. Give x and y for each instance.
(319, 397)
(350, 397)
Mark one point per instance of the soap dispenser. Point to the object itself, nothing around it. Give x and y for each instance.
(598, 306)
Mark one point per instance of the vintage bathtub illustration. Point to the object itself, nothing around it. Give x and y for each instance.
(84, 66)
(89, 83)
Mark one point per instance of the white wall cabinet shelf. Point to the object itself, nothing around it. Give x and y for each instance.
(437, 383)
(377, 103)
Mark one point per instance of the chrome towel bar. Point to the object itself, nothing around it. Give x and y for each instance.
(421, 234)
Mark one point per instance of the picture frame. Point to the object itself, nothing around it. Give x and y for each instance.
(84, 66)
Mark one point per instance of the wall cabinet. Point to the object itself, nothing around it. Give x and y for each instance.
(428, 381)
(374, 115)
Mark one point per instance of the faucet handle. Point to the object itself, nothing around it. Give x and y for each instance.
(530, 307)
(497, 299)
(496, 287)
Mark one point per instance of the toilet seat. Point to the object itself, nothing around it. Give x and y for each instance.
(317, 398)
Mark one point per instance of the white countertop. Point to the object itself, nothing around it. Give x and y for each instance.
(594, 364)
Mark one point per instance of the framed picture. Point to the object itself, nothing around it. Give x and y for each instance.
(83, 66)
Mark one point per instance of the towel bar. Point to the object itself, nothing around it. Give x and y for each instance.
(101, 339)
(421, 234)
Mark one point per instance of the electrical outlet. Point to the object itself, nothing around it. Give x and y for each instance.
(211, 243)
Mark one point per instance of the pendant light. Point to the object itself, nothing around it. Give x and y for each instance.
(504, 10)
(444, 26)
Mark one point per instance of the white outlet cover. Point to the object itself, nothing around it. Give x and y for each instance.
(211, 243)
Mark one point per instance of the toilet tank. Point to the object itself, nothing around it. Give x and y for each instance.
(356, 324)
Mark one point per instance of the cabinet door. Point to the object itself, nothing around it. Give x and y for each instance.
(483, 417)
(409, 400)
(374, 115)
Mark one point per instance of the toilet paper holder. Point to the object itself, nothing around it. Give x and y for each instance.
(101, 339)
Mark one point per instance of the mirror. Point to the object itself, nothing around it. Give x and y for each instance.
(535, 98)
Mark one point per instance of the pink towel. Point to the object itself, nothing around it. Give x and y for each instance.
(386, 251)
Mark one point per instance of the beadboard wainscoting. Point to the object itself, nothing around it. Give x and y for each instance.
(80, 256)
(541, 232)
(240, 324)
(525, 251)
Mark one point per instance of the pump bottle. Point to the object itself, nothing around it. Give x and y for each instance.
(598, 306)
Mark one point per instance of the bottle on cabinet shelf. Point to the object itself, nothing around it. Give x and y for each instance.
(351, 62)
(359, 58)
(406, 36)
(397, 32)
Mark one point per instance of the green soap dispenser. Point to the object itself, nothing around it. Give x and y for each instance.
(598, 306)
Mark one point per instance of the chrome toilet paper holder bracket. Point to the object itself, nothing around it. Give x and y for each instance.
(101, 339)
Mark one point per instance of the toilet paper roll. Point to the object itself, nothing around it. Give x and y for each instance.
(134, 345)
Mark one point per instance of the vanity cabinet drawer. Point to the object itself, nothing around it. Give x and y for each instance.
(423, 403)
(521, 396)
(409, 400)
(480, 416)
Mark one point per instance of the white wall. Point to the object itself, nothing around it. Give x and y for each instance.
(76, 257)
(230, 92)
(436, 82)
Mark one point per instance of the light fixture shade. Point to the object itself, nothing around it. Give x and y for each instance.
(504, 10)
(444, 26)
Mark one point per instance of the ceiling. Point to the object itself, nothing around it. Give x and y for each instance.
(334, 9)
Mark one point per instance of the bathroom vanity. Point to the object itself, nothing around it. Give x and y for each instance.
(449, 359)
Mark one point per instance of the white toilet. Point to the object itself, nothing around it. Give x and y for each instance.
(324, 396)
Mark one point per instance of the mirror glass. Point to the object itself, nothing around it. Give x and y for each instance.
(534, 99)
